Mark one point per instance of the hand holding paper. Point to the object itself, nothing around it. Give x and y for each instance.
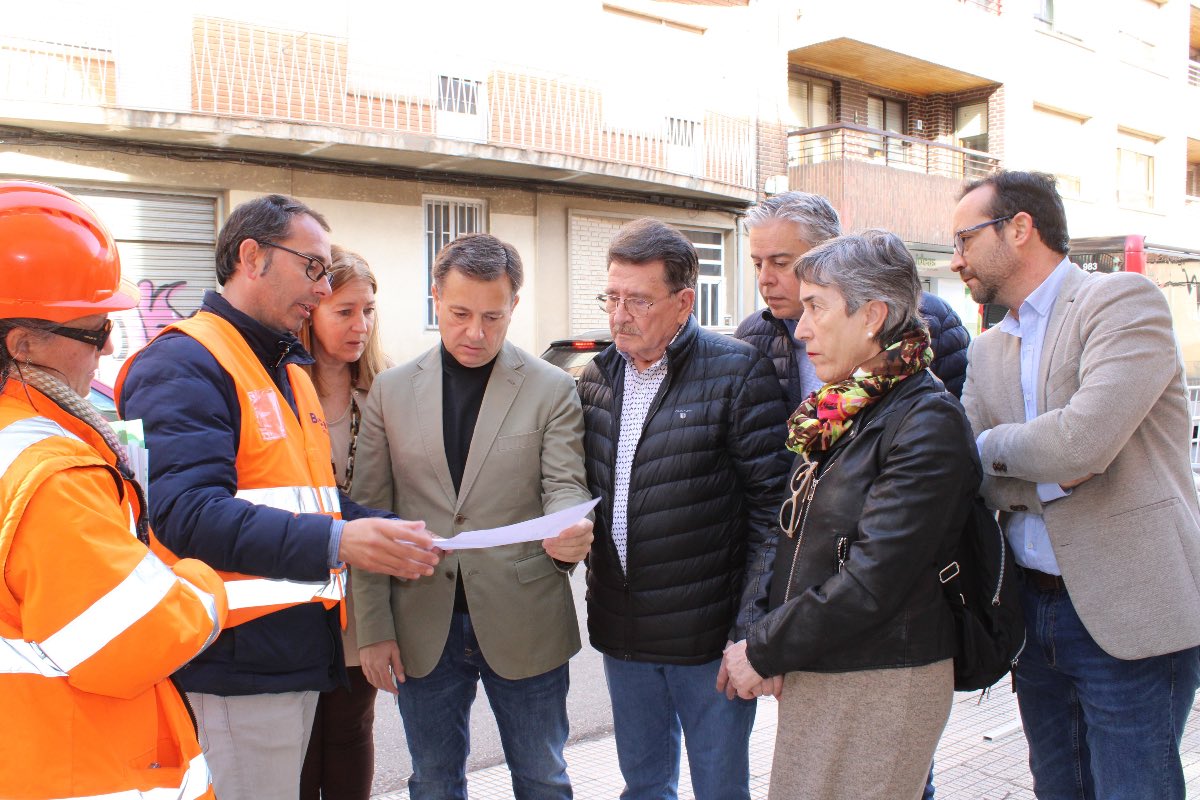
(571, 544)
(532, 530)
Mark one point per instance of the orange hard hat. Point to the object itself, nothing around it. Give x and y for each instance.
(58, 262)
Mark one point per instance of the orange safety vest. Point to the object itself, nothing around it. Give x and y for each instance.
(282, 462)
(91, 622)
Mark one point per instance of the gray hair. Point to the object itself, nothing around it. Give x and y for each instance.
(818, 220)
(873, 265)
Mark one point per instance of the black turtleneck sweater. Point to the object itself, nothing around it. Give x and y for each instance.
(462, 396)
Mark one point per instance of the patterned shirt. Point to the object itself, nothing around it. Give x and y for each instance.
(640, 389)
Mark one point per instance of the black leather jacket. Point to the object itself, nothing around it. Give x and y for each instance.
(856, 586)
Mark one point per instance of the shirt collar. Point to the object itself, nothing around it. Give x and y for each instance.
(1041, 300)
(268, 344)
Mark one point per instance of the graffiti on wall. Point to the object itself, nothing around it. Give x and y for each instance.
(161, 305)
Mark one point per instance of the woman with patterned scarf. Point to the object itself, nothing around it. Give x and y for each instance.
(858, 638)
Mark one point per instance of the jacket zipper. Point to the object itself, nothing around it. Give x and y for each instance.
(812, 491)
(808, 496)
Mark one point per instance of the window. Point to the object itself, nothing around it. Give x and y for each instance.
(1140, 24)
(1193, 181)
(810, 103)
(445, 220)
(887, 115)
(971, 132)
(458, 95)
(1064, 17)
(1135, 170)
(1061, 148)
(711, 287)
(461, 108)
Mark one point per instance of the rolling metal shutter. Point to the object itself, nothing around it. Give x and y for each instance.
(168, 245)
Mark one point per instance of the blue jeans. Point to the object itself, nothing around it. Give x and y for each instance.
(531, 714)
(1099, 728)
(651, 704)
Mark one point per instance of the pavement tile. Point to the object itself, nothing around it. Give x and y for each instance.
(968, 767)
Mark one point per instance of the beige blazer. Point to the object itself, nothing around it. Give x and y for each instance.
(1112, 401)
(526, 460)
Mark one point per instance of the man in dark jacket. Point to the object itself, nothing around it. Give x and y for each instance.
(783, 228)
(254, 691)
(684, 434)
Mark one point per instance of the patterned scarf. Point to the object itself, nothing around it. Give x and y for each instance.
(829, 412)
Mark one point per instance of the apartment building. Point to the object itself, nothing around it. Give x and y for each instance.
(546, 124)
(887, 109)
(550, 124)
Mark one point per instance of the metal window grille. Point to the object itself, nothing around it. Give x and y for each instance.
(459, 95)
(445, 220)
(681, 132)
(711, 289)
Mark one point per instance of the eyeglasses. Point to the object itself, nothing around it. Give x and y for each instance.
(316, 269)
(96, 338)
(960, 241)
(636, 306)
(801, 486)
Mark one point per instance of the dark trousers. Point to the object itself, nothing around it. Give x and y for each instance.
(340, 763)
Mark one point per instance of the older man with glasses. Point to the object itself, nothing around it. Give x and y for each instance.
(240, 478)
(684, 433)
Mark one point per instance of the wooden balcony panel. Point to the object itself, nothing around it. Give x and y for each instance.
(914, 206)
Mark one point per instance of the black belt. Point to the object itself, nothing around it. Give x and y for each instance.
(1043, 581)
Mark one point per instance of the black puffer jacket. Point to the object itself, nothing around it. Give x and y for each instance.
(949, 340)
(704, 495)
(947, 336)
(856, 587)
(769, 336)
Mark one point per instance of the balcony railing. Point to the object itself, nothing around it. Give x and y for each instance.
(992, 6)
(243, 70)
(1194, 73)
(857, 143)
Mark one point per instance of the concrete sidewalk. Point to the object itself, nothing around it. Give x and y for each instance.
(982, 756)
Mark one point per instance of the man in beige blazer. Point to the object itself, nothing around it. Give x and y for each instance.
(475, 434)
(1079, 405)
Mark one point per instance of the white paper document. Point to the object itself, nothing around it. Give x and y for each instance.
(528, 531)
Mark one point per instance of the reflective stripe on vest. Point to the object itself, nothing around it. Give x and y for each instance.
(255, 592)
(105, 620)
(296, 499)
(195, 783)
(25, 433)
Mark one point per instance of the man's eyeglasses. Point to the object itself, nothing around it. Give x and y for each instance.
(315, 270)
(960, 239)
(96, 338)
(636, 306)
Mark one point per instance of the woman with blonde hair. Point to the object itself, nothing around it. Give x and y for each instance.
(343, 339)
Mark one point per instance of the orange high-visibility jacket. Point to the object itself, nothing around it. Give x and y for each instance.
(282, 462)
(91, 622)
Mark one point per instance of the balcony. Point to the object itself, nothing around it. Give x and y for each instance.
(245, 86)
(881, 179)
